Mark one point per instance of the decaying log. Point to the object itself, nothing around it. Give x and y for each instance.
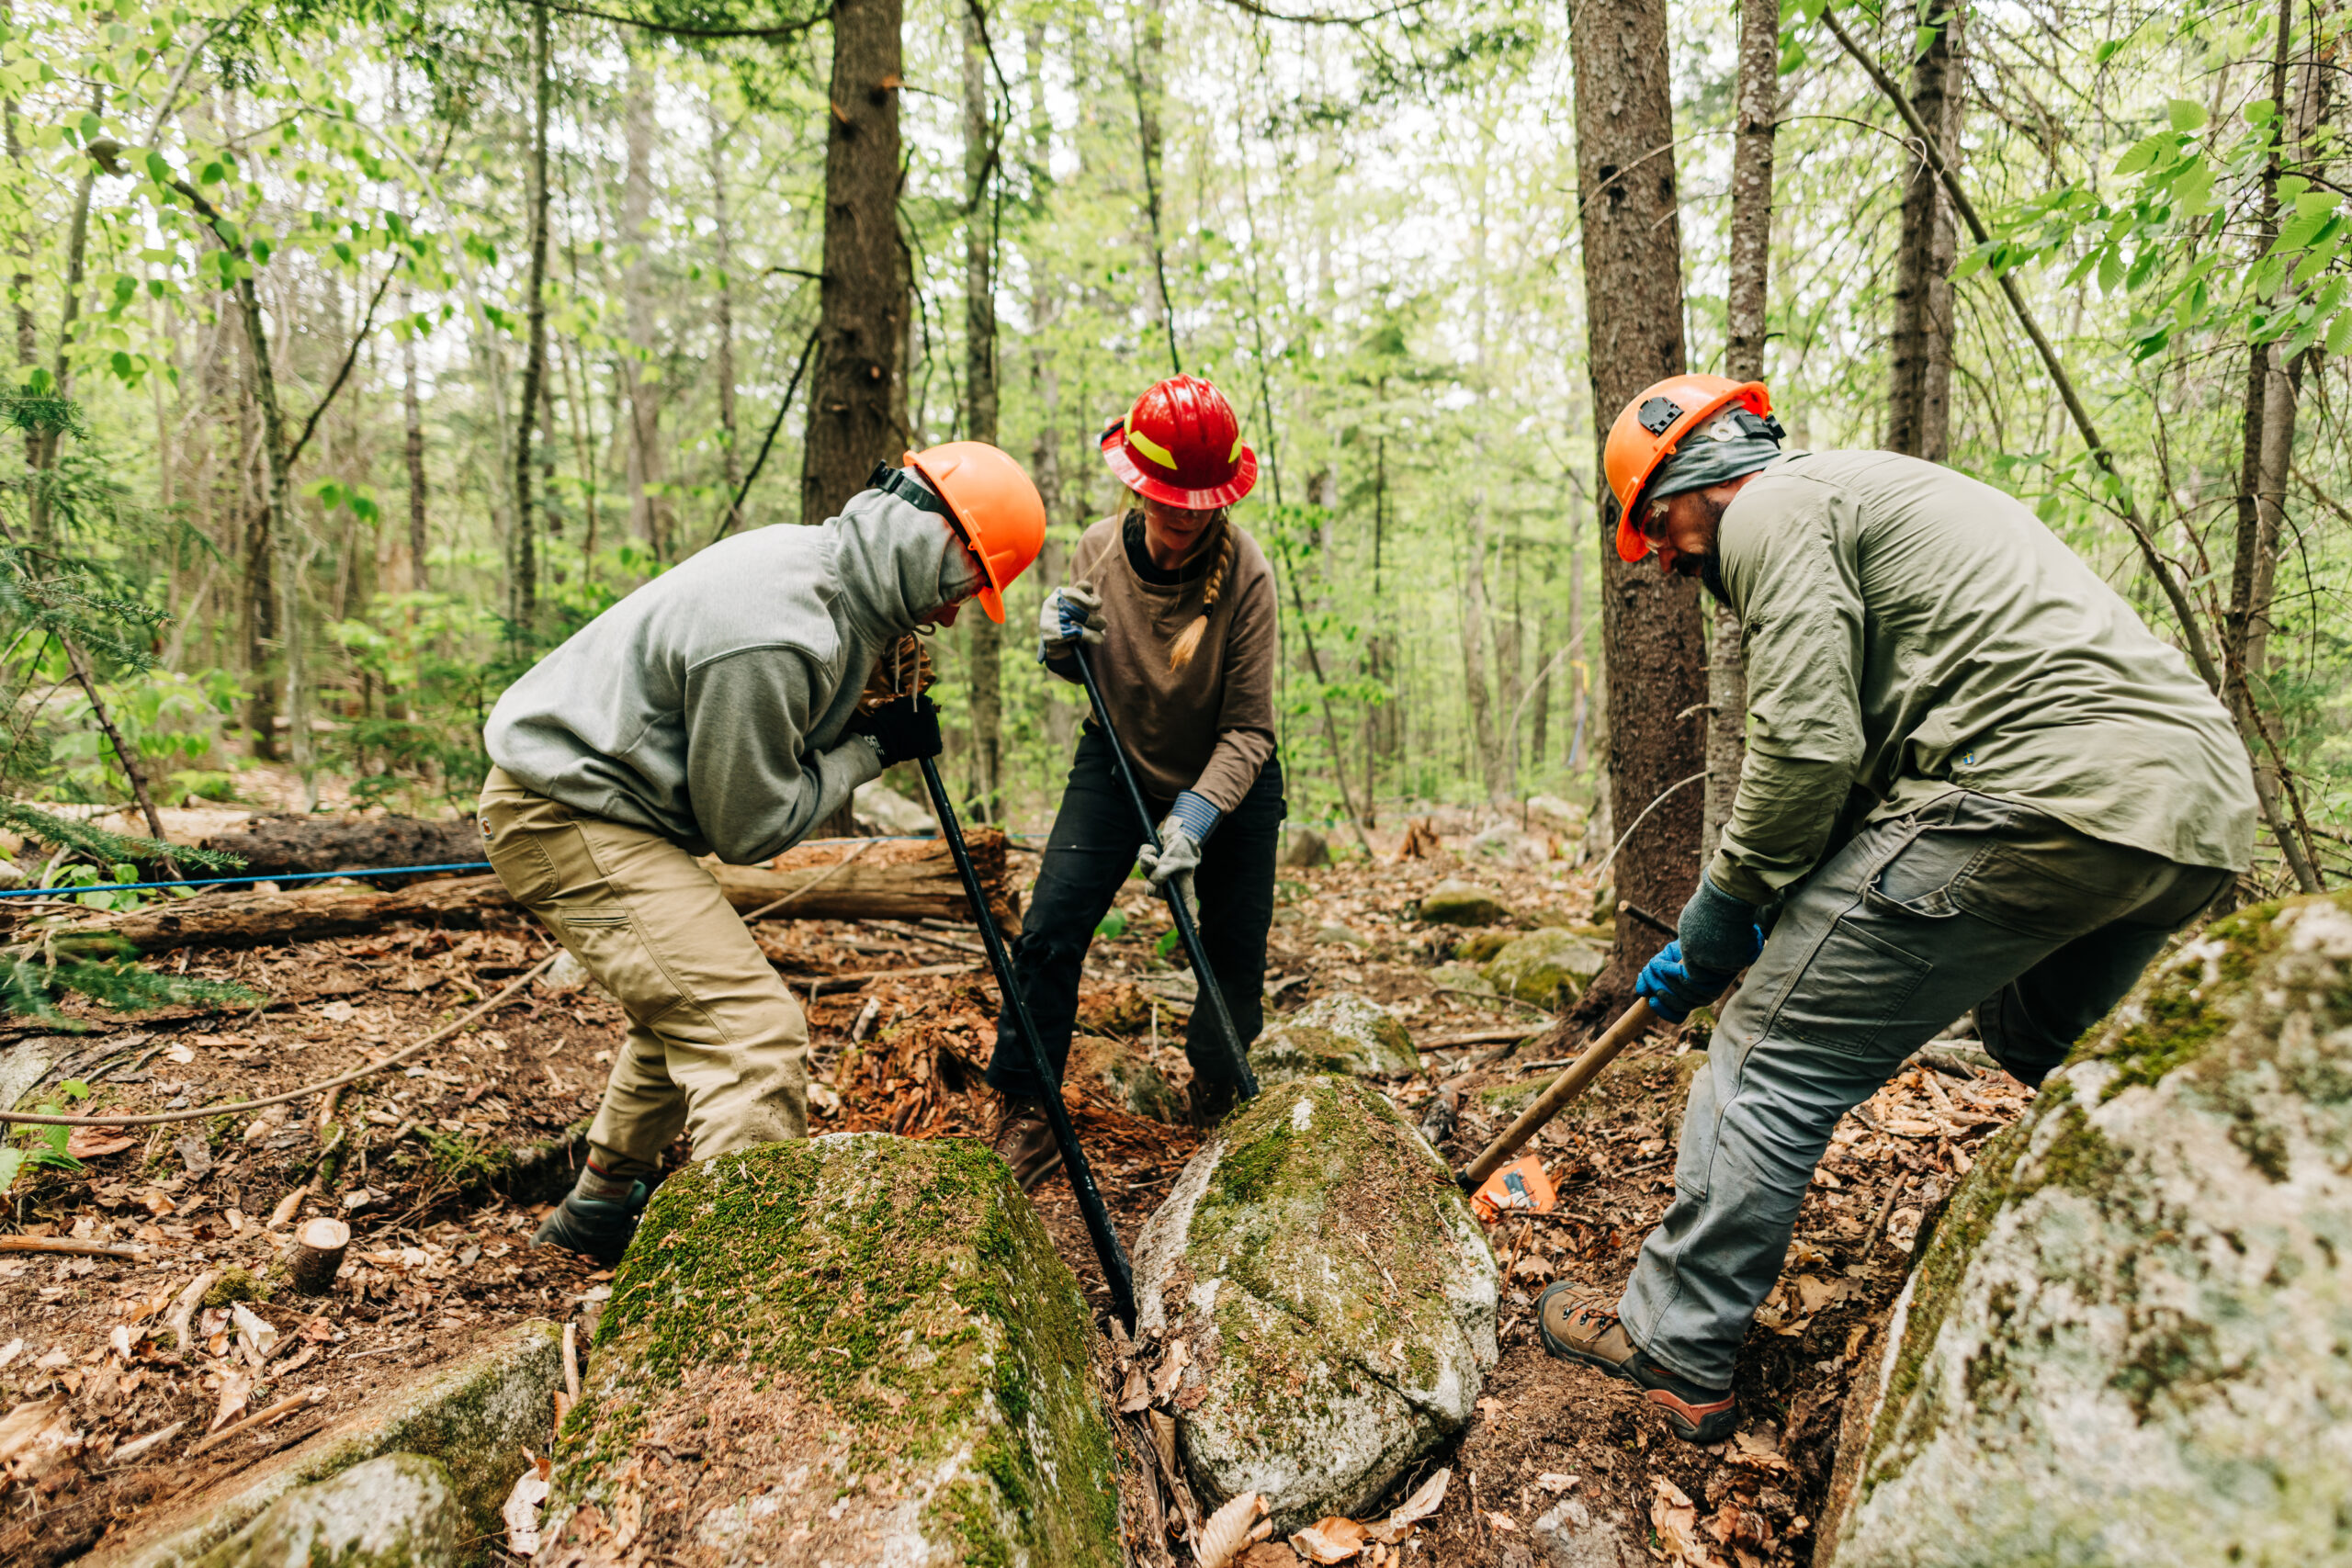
(901, 879)
(317, 1256)
(284, 845)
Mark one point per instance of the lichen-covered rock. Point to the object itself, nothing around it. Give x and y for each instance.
(1545, 966)
(857, 1349)
(1462, 904)
(399, 1511)
(1335, 1296)
(1126, 1075)
(1479, 947)
(474, 1415)
(2125, 1343)
(1459, 977)
(1342, 1034)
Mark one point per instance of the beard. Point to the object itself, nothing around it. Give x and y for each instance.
(1709, 571)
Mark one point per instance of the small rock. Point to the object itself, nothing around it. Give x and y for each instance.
(1507, 845)
(1564, 813)
(1545, 966)
(1454, 903)
(1338, 933)
(1461, 977)
(400, 1511)
(1305, 846)
(567, 975)
(1133, 1083)
(1572, 1536)
(879, 807)
(1342, 1034)
(1480, 946)
(1334, 1291)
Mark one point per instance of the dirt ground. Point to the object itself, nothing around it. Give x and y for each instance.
(443, 1168)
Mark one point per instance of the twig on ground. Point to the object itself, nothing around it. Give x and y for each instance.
(68, 1245)
(286, 1406)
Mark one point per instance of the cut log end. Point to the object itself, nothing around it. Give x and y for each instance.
(318, 1255)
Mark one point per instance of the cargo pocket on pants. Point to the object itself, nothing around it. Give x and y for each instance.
(607, 945)
(1853, 986)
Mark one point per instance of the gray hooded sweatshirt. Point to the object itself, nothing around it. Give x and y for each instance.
(708, 706)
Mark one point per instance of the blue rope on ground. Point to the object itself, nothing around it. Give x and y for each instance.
(67, 892)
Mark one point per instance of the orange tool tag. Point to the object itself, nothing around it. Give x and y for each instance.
(1520, 1187)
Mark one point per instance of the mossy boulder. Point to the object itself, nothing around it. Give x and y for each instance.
(474, 1414)
(1460, 977)
(1335, 1295)
(1125, 1074)
(1340, 1034)
(1545, 966)
(399, 1511)
(1462, 904)
(1479, 947)
(857, 1348)
(2125, 1342)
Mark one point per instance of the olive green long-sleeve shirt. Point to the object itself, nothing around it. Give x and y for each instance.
(1912, 631)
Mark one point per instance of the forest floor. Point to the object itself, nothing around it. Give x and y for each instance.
(445, 1169)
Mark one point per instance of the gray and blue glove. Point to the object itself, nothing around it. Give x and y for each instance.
(1190, 820)
(1716, 938)
(1069, 615)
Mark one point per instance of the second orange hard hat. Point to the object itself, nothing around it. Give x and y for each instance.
(1649, 430)
(997, 509)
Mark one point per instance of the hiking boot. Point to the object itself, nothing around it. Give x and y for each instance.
(1208, 1103)
(1025, 1141)
(1575, 1330)
(594, 1227)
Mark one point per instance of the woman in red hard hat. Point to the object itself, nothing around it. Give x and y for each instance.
(716, 710)
(1176, 604)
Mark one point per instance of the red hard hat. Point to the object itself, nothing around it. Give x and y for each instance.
(1181, 444)
(1649, 430)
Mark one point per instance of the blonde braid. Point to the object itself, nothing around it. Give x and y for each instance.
(1188, 642)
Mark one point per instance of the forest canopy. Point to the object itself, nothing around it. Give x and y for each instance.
(364, 351)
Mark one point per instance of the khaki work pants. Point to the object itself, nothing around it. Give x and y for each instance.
(716, 1045)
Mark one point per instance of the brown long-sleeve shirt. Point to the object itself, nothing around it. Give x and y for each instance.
(1210, 726)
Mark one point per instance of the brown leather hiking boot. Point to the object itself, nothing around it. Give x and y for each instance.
(1576, 1329)
(1025, 1141)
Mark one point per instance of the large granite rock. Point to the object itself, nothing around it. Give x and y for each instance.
(1334, 1296)
(474, 1415)
(853, 1349)
(1457, 903)
(1340, 1034)
(398, 1511)
(2125, 1343)
(1545, 966)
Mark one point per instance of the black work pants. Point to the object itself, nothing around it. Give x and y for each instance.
(1092, 849)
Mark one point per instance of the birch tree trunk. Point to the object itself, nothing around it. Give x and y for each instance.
(523, 580)
(1650, 623)
(1474, 615)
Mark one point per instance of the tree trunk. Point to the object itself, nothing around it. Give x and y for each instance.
(1918, 418)
(412, 418)
(649, 511)
(77, 238)
(1144, 80)
(1745, 303)
(863, 294)
(723, 362)
(523, 580)
(257, 613)
(21, 246)
(1484, 740)
(985, 643)
(1650, 626)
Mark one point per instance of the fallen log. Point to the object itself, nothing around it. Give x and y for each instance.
(292, 843)
(883, 879)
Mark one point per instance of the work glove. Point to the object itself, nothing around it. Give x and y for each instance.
(1190, 820)
(1069, 615)
(1718, 938)
(900, 731)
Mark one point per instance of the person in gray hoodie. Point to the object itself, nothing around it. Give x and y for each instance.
(714, 711)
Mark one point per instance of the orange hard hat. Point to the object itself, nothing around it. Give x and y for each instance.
(996, 508)
(1650, 429)
(1181, 444)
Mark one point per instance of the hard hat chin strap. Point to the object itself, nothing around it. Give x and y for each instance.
(909, 489)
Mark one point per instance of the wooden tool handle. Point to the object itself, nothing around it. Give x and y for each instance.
(1573, 1079)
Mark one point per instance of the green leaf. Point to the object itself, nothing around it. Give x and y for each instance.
(157, 170)
(1113, 926)
(2339, 334)
(2186, 115)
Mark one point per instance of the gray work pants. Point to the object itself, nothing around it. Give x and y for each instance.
(1969, 902)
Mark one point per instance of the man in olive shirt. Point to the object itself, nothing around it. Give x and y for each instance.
(1974, 780)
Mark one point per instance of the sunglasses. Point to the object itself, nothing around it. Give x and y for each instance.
(1653, 523)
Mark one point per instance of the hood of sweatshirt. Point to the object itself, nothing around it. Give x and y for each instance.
(893, 564)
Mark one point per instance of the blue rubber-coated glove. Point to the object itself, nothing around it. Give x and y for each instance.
(1190, 820)
(1718, 938)
(1069, 615)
